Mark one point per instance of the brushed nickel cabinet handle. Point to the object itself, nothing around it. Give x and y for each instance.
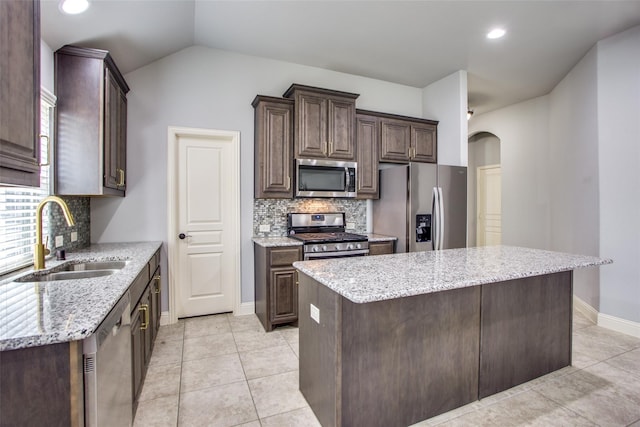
(157, 279)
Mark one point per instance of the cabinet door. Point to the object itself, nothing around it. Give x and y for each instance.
(114, 147)
(367, 131)
(340, 129)
(20, 92)
(423, 143)
(273, 148)
(155, 288)
(380, 248)
(311, 126)
(137, 351)
(395, 140)
(284, 295)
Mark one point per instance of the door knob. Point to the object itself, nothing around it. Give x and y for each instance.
(182, 236)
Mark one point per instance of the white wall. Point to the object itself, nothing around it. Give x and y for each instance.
(523, 131)
(446, 101)
(578, 166)
(619, 165)
(573, 160)
(207, 88)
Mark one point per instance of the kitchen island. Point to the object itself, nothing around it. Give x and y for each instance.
(395, 339)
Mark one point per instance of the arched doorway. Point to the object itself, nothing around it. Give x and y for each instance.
(484, 212)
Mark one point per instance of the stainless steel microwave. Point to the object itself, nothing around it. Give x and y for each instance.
(325, 178)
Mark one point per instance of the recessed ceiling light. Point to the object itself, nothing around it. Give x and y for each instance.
(73, 7)
(496, 33)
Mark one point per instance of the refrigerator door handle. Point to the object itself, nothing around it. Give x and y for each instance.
(441, 224)
(435, 210)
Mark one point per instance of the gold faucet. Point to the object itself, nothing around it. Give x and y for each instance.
(39, 251)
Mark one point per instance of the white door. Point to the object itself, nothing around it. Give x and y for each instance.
(489, 206)
(206, 224)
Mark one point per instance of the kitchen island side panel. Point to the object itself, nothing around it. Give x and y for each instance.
(526, 330)
(409, 359)
(320, 349)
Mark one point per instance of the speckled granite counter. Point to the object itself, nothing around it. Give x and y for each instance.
(407, 274)
(379, 237)
(40, 313)
(439, 329)
(272, 242)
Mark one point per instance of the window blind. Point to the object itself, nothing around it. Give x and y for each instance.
(18, 204)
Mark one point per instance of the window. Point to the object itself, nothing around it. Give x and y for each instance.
(18, 204)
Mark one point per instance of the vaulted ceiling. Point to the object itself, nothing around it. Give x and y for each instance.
(409, 42)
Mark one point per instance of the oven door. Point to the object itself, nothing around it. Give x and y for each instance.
(339, 254)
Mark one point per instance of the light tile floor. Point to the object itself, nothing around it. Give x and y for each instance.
(226, 371)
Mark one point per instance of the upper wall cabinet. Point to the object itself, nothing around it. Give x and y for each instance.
(367, 137)
(20, 92)
(91, 131)
(273, 147)
(405, 139)
(325, 122)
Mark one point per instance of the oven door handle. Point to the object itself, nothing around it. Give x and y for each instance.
(311, 255)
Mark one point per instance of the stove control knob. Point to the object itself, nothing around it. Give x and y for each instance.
(324, 248)
(314, 249)
(349, 246)
(358, 246)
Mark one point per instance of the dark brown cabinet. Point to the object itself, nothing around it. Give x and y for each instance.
(273, 147)
(276, 284)
(145, 322)
(367, 137)
(381, 248)
(91, 127)
(408, 139)
(324, 123)
(20, 93)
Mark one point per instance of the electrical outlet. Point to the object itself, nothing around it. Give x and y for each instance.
(74, 236)
(265, 228)
(351, 225)
(59, 241)
(315, 313)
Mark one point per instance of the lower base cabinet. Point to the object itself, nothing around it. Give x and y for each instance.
(145, 322)
(276, 284)
(381, 248)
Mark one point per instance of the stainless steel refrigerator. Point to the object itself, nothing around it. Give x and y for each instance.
(424, 205)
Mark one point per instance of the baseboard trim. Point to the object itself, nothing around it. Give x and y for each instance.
(584, 308)
(165, 318)
(619, 325)
(245, 308)
(613, 323)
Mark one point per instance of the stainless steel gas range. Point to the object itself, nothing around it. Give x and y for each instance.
(324, 236)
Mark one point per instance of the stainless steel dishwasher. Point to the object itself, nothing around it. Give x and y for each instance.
(107, 369)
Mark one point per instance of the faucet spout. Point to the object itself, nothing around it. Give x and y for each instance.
(39, 251)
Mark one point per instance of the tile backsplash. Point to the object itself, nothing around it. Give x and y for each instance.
(273, 212)
(80, 209)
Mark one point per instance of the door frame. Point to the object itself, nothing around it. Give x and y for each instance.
(174, 134)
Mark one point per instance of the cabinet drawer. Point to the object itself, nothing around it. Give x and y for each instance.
(139, 284)
(154, 262)
(284, 256)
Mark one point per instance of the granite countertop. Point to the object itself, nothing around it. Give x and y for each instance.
(269, 242)
(373, 237)
(367, 279)
(40, 313)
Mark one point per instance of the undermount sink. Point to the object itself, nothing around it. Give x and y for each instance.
(82, 270)
(96, 265)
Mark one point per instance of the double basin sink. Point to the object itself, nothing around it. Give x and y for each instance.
(82, 270)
